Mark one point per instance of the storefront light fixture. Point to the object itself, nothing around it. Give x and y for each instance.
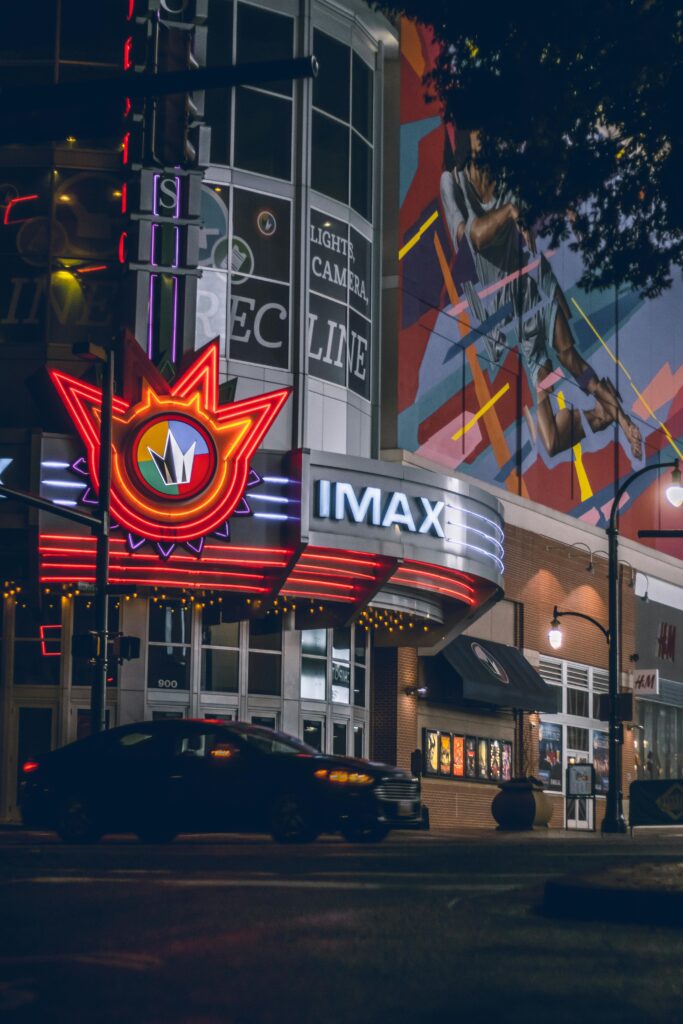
(555, 634)
(674, 492)
(416, 691)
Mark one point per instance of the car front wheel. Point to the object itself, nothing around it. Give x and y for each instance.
(291, 821)
(77, 821)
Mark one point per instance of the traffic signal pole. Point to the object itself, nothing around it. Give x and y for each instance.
(98, 701)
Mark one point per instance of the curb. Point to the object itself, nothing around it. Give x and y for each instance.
(585, 898)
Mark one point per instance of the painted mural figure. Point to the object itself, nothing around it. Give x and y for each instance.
(489, 223)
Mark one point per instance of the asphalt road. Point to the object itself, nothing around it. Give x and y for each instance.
(237, 930)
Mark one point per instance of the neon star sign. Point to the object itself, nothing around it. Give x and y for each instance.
(180, 461)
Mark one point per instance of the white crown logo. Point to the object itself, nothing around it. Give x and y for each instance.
(175, 466)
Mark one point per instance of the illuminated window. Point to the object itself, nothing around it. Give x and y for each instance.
(37, 651)
(220, 654)
(265, 656)
(168, 655)
(342, 125)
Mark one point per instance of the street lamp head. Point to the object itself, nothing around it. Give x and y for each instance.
(674, 492)
(555, 633)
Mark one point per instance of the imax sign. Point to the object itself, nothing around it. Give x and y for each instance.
(375, 507)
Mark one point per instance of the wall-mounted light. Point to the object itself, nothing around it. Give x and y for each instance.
(555, 634)
(415, 691)
(674, 492)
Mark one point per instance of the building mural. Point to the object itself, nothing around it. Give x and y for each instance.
(509, 371)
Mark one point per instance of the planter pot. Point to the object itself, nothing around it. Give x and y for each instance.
(521, 805)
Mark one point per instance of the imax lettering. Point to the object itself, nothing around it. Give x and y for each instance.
(345, 499)
(431, 522)
(371, 506)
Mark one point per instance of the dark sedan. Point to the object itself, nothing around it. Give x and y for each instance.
(157, 779)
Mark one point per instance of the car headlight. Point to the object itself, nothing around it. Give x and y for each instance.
(342, 777)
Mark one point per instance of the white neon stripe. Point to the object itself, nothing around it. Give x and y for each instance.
(63, 501)
(55, 465)
(472, 529)
(267, 497)
(72, 484)
(466, 512)
(276, 479)
(269, 515)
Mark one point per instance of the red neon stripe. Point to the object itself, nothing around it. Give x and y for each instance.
(131, 10)
(125, 152)
(328, 570)
(91, 270)
(434, 575)
(44, 639)
(13, 202)
(123, 240)
(410, 563)
(73, 538)
(124, 187)
(338, 558)
(128, 54)
(295, 578)
(288, 591)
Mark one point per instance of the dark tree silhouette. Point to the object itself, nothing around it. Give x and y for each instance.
(579, 105)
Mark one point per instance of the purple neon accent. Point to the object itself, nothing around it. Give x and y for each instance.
(134, 542)
(177, 196)
(80, 466)
(155, 201)
(242, 509)
(177, 247)
(195, 546)
(174, 336)
(88, 497)
(114, 526)
(254, 478)
(153, 245)
(165, 550)
(224, 532)
(151, 315)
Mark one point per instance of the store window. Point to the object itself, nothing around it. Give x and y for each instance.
(265, 656)
(577, 731)
(37, 644)
(243, 296)
(263, 115)
(313, 664)
(342, 125)
(358, 741)
(339, 738)
(220, 654)
(341, 666)
(168, 654)
(314, 733)
(217, 105)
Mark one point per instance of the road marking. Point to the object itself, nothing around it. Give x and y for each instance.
(114, 958)
(386, 884)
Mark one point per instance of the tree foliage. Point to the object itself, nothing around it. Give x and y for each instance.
(579, 105)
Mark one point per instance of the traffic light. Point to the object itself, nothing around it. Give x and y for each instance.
(178, 136)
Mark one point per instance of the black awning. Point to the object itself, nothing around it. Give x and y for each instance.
(489, 673)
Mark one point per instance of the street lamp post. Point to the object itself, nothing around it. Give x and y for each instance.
(98, 696)
(614, 821)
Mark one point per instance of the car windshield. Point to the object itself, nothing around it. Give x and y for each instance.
(268, 742)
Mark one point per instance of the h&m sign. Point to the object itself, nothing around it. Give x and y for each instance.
(646, 681)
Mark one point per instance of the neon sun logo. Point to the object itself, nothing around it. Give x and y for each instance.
(181, 463)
